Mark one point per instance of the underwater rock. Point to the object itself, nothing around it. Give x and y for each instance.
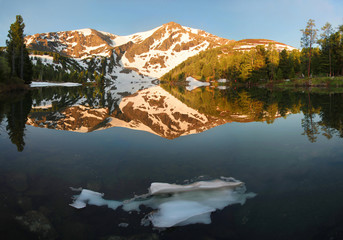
(35, 222)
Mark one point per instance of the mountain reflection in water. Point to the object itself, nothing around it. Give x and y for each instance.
(166, 111)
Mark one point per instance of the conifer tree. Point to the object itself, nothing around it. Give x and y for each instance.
(284, 64)
(17, 54)
(325, 42)
(308, 40)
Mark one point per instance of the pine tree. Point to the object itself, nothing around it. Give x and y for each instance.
(308, 40)
(284, 64)
(326, 43)
(17, 54)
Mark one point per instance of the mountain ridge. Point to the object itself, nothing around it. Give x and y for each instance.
(153, 52)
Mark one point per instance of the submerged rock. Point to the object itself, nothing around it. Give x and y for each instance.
(35, 222)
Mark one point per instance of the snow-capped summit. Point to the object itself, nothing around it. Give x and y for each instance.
(153, 53)
(168, 46)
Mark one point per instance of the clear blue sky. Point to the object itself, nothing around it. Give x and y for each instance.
(279, 20)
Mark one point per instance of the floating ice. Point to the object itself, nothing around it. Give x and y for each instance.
(162, 188)
(93, 198)
(176, 205)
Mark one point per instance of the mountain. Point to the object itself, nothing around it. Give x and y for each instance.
(153, 53)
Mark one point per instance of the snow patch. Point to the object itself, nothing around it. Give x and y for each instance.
(86, 32)
(137, 37)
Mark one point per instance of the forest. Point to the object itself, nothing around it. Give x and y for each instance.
(65, 69)
(267, 64)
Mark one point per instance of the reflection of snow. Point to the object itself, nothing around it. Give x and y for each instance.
(193, 84)
(127, 83)
(49, 84)
(222, 87)
(177, 205)
(169, 107)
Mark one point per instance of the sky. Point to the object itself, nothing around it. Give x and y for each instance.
(279, 20)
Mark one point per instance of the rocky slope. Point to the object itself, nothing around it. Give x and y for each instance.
(153, 53)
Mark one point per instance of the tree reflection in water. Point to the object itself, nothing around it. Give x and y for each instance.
(322, 112)
(15, 108)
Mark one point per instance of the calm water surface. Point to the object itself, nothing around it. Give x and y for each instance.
(285, 146)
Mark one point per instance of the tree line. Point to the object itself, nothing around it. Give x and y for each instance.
(65, 69)
(320, 56)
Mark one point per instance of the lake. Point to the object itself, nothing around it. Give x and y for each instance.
(284, 145)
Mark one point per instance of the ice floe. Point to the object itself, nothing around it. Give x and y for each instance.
(175, 205)
(93, 198)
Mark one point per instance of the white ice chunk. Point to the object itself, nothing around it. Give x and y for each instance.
(93, 198)
(163, 188)
(176, 205)
(78, 204)
(175, 213)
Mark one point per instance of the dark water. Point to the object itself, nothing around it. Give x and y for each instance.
(286, 146)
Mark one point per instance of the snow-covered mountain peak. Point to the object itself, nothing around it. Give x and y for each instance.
(167, 47)
(153, 52)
